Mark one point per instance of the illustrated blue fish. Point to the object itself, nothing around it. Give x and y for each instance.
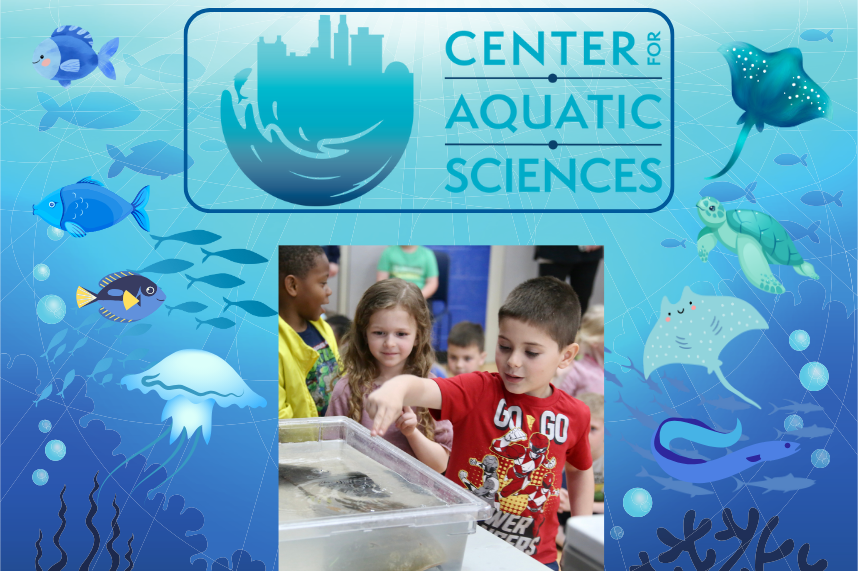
(240, 80)
(797, 231)
(68, 56)
(91, 318)
(134, 355)
(256, 308)
(668, 409)
(223, 281)
(788, 159)
(730, 404)
(59, 352)
(95, 110)
(212, 145)
(772, 89)
(168, 68)
(672, 243)
(134, 330)
(697, 470)
(676, 485)
(676, 383)
(195, 237)
(80, 343)
(803, 407)
(641, 416)
(156, 158)
(239, 256)
(46, 392)
(728, 192)
(609, 376)
(816, 35)
(218, 322)
(55, 340)
(66, 382)
(88, 206)
(188, 307)
(169, 266)
(100, 367)
(806, 432)
(639, 450)
(106, 379)
(820, 198)
(124, 297)
(788, 483)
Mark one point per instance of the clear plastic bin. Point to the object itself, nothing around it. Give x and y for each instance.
(413, 539)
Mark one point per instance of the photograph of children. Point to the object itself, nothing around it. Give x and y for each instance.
(474, 360)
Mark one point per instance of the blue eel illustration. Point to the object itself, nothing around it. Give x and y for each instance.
(696, 470)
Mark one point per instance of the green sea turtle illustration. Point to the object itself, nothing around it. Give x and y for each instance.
(757, 238)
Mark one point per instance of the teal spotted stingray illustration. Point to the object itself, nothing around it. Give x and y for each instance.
(757, 238)
(694, 331)
(773, 89)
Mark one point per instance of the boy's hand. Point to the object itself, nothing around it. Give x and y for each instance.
(384, 406)
(407, 423)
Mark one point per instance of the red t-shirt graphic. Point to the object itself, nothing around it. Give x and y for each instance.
(510, 450)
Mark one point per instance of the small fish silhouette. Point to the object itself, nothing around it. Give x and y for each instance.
(820, 198)
(92, 318)
(59, 352)
(106, 379)
(100, 367)
(256, 308)
(223, 281)
(107, 325)
(46, 392)
(170, 266)
(219, 322)
(639, 415)
(676, 485)
(212, 145)
(644, 452)
(99, 110)
(80, 343)
(66, 382)
(168, 68)
(797, 231)
(55, 340)
(816, 35)
(652, 385)
(239, 256)
(135, 330)
(728, 192)
(803, 407)
(677, 384)
(240, 80)
(668, 409)
(156, 158)
(195, 237)
(806, 432)
(609, 376)
(188, 307)
(134, 355)
(730, 404)
(788, 159)
(788, 483)
(671, 243)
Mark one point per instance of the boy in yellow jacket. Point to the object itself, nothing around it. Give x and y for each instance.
(308, 349)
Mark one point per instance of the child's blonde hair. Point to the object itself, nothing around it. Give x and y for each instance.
(596, 404)
(591, 335)
(362, 368)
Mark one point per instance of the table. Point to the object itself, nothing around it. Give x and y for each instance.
(487, 552)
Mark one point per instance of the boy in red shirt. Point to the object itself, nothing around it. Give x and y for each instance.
(514, 430)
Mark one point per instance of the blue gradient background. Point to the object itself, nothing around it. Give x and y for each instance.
(230, 483)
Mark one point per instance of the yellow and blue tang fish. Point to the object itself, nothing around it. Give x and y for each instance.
(124, 297)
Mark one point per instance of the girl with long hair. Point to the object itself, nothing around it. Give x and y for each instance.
(390, 336)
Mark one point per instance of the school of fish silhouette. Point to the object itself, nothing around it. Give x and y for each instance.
(691, 535)
(773, 89)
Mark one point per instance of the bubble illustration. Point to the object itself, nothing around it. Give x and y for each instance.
(799, 340)
(813, 376)
(41, 272)
(793, 422)
(51, 309)
(55, 234)
(637, 502)
(45, 426)
(40, 477)
(617, 532)
(820, 458)
(55, 450)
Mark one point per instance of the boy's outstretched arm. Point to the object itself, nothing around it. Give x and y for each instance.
(384, 405)
(582, 488)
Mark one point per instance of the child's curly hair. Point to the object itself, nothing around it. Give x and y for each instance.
(362, 368)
